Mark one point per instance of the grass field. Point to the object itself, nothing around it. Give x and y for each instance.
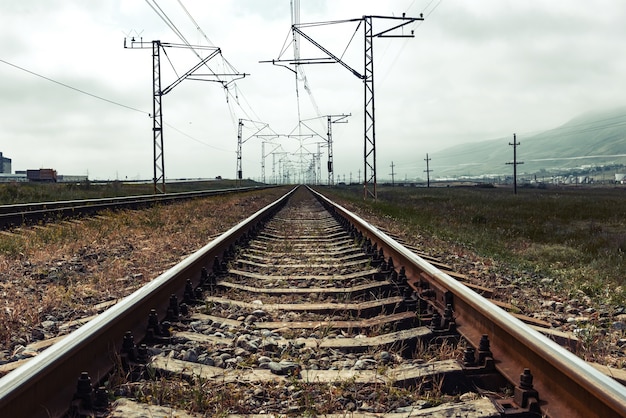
(575, 237)
(12, 193)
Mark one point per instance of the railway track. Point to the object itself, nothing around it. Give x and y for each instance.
(12, 216)
(304, 309)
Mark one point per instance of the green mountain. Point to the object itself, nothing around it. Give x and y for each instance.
(591, 141)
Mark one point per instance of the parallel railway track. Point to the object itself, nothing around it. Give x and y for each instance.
(305, 309)
(15, 215)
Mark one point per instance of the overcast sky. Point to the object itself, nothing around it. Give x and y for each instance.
(474, 71)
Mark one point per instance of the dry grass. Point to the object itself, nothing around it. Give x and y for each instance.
(60, 271)
(561, 246)
(291, 396)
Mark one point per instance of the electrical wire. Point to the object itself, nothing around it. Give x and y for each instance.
(233, 93)
(230, 88)
(351, 39)
(113, 102)
(198, 28)
(329, 22)
(417, 25)
(161, 13)
(171, 63)
(74, 88)
(295, 20)
(165, 18)
(429, 12)
(197, 140)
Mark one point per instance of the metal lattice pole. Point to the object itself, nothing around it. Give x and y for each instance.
(239, 144)
(157, 120)
(158, 92)
(369, 152)
(329, 134)
(369, 128)
(262, 162)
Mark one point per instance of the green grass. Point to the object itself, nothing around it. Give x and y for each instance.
(575, 235)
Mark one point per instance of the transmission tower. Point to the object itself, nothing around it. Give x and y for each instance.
(369, 120)
(158, 93)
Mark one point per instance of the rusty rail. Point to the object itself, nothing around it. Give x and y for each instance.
(31, 213)
(567, 385)
(44, 386)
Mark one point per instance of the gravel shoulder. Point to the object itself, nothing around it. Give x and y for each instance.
(54, 274)
(599, 328)
(58, 273)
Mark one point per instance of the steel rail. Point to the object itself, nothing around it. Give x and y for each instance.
(567, 386)
(25, 213)
(44, 386)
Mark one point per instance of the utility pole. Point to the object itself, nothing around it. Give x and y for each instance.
(318, 164)
(263, 155)
(158, 93)
(239, 173)
(329, 134)
(369, 129)
(330, 120)
(359, 175)
(515, 163)
(277, 179)
(393, 175)
(427, 171)
(241, 141)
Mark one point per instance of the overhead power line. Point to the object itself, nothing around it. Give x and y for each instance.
(197, 140)
(161, 13)
(104, 99)
(230, 87)
(165, 18)
(95, 96)
(198, 28)
(369, 131)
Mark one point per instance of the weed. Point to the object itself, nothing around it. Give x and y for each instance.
(12, 245)
(545, 232)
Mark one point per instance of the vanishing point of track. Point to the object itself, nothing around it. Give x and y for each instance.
(304, 309)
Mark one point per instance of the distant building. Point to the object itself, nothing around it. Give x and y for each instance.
(12, 178)
(6, 164)
(65, 178)
(46, 175)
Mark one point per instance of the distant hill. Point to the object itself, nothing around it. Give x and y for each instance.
(594, 139)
